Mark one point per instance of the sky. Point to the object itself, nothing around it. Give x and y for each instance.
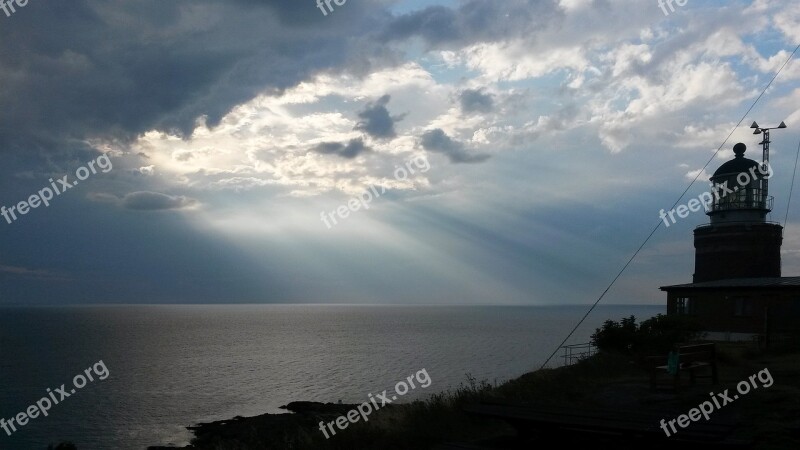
(499, 152)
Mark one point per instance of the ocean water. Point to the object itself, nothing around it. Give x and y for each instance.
(174, 366)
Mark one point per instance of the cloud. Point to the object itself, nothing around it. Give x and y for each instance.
(183, 156)
(352, 149)
(155, 201)
(475, 100)
(144, 170)
(161, 65)
(146, 201)
(249, 107)
(473, 21)
(376, 121)
(31, 273)
(438, 141)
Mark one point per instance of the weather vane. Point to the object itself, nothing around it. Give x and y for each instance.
(766, 141)
(765, 146)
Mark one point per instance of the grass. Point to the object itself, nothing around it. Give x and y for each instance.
(440, 418)
(770, 416)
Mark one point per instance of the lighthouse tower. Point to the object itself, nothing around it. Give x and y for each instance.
(738, 292)
(739, 242)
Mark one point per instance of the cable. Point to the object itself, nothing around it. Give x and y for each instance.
(619, 274)
(791, 187)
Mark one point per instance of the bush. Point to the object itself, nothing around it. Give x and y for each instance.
(621, 337)
(655, 335)
(661, 333)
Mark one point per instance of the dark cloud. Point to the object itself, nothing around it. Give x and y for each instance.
(474, 21)
(436, 24)
(121, 67)
(117, 68)
(39, 274)
(475, 100)
(352, 149)
(376, 121)
(184, 156)
(438, 141)
(154, 201)
(145, 201)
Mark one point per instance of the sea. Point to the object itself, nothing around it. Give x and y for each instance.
(172, 366)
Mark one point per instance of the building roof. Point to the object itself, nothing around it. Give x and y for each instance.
(767, 282)
(738, 164)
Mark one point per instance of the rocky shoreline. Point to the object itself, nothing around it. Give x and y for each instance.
(264, 429)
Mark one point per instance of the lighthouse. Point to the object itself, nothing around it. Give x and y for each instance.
(738, 292)
(739, 242)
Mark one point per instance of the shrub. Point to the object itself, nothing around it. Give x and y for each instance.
(616, 336)
(655, 335)
(661, 333)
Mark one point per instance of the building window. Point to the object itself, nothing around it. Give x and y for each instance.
(684, 306)
(742, 306)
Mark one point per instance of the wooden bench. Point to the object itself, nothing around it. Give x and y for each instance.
(698, 360)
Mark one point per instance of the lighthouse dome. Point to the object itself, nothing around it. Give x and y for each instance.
(737, 165)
